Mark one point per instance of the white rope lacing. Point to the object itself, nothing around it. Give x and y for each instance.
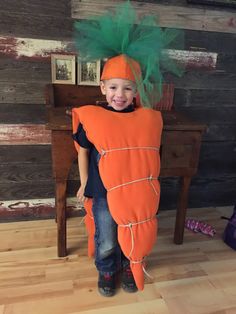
(150, 178)
(82, 221)
(130, 225)
(143, 268)
(104, 151)
(154, 189)
(147, 274)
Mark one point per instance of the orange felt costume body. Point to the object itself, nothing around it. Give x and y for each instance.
(129, 168)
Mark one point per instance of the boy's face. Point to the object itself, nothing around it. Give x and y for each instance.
(119, 93)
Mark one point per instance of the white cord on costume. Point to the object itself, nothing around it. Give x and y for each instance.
(150, 178)
(153, 187)
(82, 220)
(143, 268)
(104, 151)
(147, 274)
(130, 225)
(127, 183)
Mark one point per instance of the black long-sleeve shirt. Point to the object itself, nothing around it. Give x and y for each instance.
(94, 186)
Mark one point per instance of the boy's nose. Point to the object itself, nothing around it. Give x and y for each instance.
(120, 92)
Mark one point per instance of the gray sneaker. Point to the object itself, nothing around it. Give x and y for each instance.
(127, 280)
(106, 284)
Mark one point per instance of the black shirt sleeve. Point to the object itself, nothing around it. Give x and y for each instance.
(81, 138)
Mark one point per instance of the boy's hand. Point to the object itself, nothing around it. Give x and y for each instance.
(80, 194)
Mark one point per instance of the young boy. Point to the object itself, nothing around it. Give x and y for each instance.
(119, 159)
(119, 95)
(119, 87)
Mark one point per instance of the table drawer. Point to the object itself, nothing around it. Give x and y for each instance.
(180, 149)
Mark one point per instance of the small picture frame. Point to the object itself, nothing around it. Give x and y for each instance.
(63, 69)
(89, 73)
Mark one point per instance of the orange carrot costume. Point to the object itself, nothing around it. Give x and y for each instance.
(129, 167)
(135, 49)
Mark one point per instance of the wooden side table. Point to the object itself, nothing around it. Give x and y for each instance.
(181, 141)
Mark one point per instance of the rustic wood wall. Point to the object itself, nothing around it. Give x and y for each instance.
(31, 30)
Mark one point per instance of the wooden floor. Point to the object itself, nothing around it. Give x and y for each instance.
(196, 277)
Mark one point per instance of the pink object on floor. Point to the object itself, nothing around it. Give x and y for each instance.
(200, 226)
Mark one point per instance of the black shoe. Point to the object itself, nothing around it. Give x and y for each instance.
(106, 285)
(127, 280)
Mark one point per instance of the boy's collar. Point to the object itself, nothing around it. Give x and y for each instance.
(130, 108)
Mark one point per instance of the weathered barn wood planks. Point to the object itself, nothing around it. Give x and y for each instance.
(22, 92)
(22, 166)
(31, 30)
(23, 113)
(168, 15)
(26, 190)
(213, 98)
(223, 116)
(25, 154)
(217, 3)
(204, 80)
(13, 69)
(38, 49)
(43, 208)
(44, 26)
(24, 134)
(41, 7)
(25, 172)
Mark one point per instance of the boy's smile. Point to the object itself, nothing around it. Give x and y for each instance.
(119, 92)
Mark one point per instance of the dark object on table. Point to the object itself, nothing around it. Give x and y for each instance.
(222, 3)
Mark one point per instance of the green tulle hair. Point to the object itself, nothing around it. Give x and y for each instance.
(121, 32)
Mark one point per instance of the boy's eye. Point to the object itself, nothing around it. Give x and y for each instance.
(128, 88)
(112, 87)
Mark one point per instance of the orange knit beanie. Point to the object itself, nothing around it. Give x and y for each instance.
(122, 67)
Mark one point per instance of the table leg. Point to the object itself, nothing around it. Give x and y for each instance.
(181, 210)
(60, 202)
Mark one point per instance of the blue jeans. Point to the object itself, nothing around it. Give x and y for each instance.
(108, 256)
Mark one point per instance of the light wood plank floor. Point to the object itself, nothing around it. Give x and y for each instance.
(194, 278)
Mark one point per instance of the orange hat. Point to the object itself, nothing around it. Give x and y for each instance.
(122, 67)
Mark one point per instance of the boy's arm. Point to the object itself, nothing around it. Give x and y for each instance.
(83, 163)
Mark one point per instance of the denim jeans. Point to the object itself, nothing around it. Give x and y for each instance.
(108, 255)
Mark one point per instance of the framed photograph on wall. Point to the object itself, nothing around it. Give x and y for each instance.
(63, 69)
(89, 73)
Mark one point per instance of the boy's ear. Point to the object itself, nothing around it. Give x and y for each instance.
(103, 89)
